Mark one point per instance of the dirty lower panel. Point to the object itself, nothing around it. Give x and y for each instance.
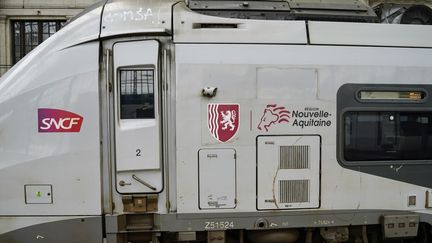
(67, 231)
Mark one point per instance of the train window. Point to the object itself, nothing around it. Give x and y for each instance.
(392, 95)
(136, 93)
(384, 136)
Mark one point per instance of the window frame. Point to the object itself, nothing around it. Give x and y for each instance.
(348, 101)
(119, 104)
(22, 46)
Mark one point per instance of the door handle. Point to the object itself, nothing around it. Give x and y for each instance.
(143, 182)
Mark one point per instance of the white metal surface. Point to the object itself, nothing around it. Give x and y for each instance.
(137, 140)
(83, 29)
(64, 72)
(362, 34)
(300, 56)
(70, 162)
(127, 17)
(217, 178)
(291, 83)
(188, 27)
(235, 70)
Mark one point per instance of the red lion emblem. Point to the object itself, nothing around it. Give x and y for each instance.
(273, 114)
(223, 120)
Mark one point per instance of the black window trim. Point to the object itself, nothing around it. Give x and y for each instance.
(347, 100)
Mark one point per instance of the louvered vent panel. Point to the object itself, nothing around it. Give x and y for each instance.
(293, 191)
(294, 157)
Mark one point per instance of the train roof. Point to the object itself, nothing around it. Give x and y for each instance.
(327, 22)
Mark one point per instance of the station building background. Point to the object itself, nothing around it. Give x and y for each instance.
(24, 24)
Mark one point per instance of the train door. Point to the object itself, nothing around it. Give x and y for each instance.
(137, 116)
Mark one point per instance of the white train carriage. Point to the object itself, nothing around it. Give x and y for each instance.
(220, 121)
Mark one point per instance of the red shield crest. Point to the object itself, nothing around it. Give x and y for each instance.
(223, 120)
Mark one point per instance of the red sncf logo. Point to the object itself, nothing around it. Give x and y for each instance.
(54, 120)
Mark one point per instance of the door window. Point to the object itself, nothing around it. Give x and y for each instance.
(136, 93)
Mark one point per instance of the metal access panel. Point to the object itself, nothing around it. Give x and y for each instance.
(137, 117)
(217, 178)
(288, 172)
(397, 226)
(38, 194)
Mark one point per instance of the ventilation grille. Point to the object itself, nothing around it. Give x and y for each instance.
(293, 191)
(294, 157)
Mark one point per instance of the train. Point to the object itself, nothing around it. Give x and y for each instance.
(220, 121)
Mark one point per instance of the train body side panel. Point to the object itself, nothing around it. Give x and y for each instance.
(49, 136)
(299, 79)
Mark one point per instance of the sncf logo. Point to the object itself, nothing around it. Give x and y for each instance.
(54, 120)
